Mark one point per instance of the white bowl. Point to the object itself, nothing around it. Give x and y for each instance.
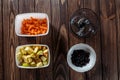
(92, 57)
(19, 18)
(17, 62)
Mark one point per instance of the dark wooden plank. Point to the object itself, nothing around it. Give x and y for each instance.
(60, 39)
(118, 33)
(11, 72)
(108, 35)
(73, 5)
(94, 41)
(1, 43)
(6, 11)
(27, 6)
(44, 6)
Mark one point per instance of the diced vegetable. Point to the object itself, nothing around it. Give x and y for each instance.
(32, 56)
(19, 57)
(39, 64)
(35, 50)
(45, 62)
(23, 51)
(28, 49)
(40, 52)
(43, 58)
(33, 63)
(27, 59)
(25, 64)
(34, 26)
(44, 48)
(45, 53)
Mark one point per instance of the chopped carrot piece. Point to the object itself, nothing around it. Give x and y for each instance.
(34, 26)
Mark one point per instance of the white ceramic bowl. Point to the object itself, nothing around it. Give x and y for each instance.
(92, 57)
(19, 18)
(18, 48)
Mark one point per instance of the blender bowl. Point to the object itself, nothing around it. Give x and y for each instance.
(84, 23)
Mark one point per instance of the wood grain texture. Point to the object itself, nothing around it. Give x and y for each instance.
(27, 6)
(9, 10)
(73, 5)
(1, 43)
(94, 41)
(118, 33)
(6, 10)
(60, 39)
(108, 36)
(44, 6)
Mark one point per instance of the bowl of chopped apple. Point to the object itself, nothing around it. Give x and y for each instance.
(32, 56)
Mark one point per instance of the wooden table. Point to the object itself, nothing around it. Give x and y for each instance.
(106, 42)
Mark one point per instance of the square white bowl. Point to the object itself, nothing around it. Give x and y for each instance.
(18, 48)
(20, 17)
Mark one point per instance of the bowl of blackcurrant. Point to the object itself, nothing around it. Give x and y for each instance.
(81, 57)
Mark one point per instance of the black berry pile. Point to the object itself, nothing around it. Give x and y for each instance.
(80, 58)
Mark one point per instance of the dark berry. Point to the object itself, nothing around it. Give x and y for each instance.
(80, 58)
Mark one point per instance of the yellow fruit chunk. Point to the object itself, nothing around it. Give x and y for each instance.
(39, 64)
(43, 58)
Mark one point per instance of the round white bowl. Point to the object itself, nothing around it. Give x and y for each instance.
(20, 17)
(17, 62)
(92, 57)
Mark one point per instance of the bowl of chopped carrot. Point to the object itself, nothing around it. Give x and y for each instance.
(31, 24)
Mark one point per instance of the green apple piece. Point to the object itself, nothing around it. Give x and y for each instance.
(25, 64)
(33, 63)
(39, 64)
(45, 62)
(43, 58)
(28, 49)
(40, 52)
(36, 49)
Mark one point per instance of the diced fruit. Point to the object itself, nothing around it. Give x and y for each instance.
(29, 60)
(39, 64)
(40, 47)
(19, 57)
(43, 58)
(38, 60)
(45, 51)
(28, 49)
(40, 52)
(35, 50)
(33, 64)
(45, 54)
(25, 64)
(32, 56)
(23, 51)
(44, 48)
(45, 62)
